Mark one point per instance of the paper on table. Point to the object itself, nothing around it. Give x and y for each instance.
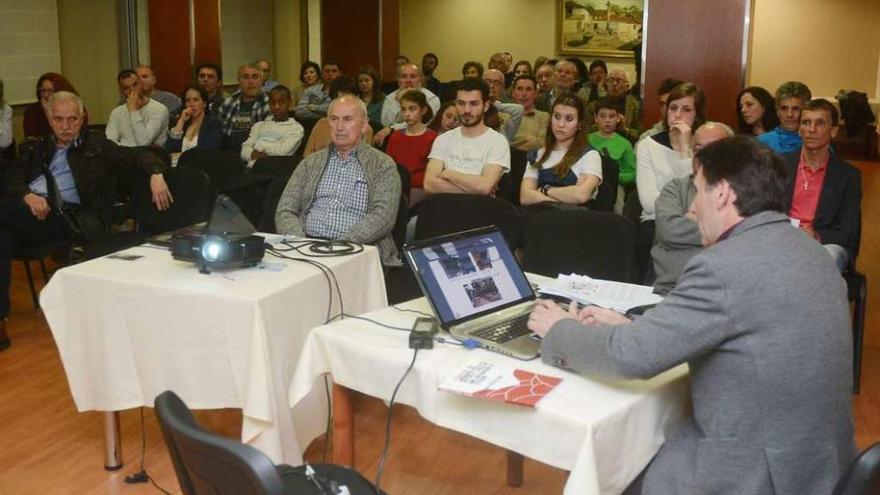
(608, 294)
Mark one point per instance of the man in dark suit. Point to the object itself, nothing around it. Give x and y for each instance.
(54, 191)
(762, 320)
(824, 190)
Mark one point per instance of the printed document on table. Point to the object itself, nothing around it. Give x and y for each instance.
(605, 293)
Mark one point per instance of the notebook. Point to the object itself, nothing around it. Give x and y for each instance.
(477, 289)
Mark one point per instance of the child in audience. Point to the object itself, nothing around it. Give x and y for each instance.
(567, 170)
(279, 135)
(607, 141)
(410, 147)
(446, 118)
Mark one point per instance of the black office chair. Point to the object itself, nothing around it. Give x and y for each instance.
(405, 181)
(857, 292)
(221, 166)
(208, 463)
(594, 243)
(863, 475)
(193, 194)
(606, 196)
(511, 183)
(442, 214)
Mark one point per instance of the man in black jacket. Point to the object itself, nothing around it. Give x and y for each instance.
(54, 191)
(825, 191)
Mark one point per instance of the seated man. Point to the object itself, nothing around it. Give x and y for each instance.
(504, 116)
(245, 107)
(676, 236)
(471, 158)
(790, 99)
(762, 320)
(140, 120)
(316, 99)
(825, 191)
(545, 76)
(533, 128)
(53, 192)
(266, 70)
(320, 137)
(618, 92)
(349, 191)
(210, 78)
(429, 65)
(408, 77)
(148, 86)
(564, 78)
(279, 135)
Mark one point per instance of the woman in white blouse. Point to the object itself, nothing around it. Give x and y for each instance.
(668, 155)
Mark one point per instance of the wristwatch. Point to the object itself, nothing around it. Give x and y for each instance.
(545, 189)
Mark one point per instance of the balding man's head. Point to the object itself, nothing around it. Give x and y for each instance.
(566, 72)
(707, 134)
(495, 79)
(408, 76)
(617, 82)
(348, 121)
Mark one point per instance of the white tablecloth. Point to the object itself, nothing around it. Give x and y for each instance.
(127, 330)
(604, 432)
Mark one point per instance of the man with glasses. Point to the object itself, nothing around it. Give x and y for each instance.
(617, 84)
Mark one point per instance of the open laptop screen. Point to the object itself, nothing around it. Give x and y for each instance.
(467, 274)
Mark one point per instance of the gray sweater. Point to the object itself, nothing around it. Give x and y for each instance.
(677, 237)
(383, 183)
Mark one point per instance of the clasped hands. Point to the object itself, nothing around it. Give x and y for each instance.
(547, 313)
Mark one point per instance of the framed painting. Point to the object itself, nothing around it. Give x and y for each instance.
(599, 28)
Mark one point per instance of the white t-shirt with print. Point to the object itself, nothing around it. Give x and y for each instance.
(469, 155)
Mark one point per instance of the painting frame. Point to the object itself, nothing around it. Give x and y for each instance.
(580, 30)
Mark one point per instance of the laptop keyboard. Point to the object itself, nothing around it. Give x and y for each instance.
(506, 331)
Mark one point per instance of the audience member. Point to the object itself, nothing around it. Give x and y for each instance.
(369, 93)
(392, 86)
(522, 68)
(349, 191)
(533, 128)
(6, 133)
(410, 147)
(148, 88)
(756, 111)
(790, 99)
(36, 121)
(581, 76)
(762, 320)
(407, 78)
(667, 155)
(564, 79)
(666, 87)
(618, 92)
(53, 193)
(470, 158)
(508, 114)
(567, 170)
(606, 140)
(245, 107)
(315, 100)
(265, 67)
(472, 70)
(677, 235)
(596, 87)
(210, 78)
(140, 120)
(539, 62)
(195, 128)
(429, 65)
(499, 62)
(320, 137)
(544, 75)
(446, 118)
(309, 75)
(824, 190)
(278, 135)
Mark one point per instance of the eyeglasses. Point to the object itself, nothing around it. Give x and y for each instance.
(616, 80)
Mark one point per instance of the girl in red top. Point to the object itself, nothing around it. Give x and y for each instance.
(410, 147)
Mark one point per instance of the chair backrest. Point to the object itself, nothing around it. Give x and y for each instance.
(405, 180)
(270, 204)
(10, 152)
(511, 182)
(208, 463)
(606, 196)
(221, 166)
(863, 475)
(442, 214)
(193, 196)
(594, 243)
(276, 166)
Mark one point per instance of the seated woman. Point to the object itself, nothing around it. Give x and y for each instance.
(410, 147)
(446, 118)
(371, 95)
(309, 75)
(756, 111)
(567, 171)
(667, 155)
(36, 122)
(320, 136)
(195, 128)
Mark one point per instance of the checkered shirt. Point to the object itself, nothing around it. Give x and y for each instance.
(229, 109)
(341, 198)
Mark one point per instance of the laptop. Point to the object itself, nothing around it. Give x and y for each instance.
(226, 218)
(477, 289)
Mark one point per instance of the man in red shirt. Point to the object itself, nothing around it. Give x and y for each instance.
(825, 191)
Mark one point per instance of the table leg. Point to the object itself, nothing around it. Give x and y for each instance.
(112, 442)
(343, 426)
(514, 469)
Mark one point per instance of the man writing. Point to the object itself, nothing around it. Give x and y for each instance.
(140, 120)
(472, 157)
(767, 342)
(349, 191)
(58, 180)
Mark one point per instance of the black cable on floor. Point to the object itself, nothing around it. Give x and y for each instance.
(388, 421)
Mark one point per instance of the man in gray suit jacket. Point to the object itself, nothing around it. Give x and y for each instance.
(761, 318)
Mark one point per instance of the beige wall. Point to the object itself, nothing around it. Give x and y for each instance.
(462, 30)
(827, 44)
(288, 47)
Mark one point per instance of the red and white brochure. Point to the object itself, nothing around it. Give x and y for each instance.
(500, 383)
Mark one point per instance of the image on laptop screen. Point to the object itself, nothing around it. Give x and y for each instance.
(470, 275)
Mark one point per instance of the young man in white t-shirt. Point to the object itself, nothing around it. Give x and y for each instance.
(471, 158)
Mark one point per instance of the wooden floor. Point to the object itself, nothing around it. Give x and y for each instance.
(46, 447)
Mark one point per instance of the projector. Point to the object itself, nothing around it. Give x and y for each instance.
(218, 251)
